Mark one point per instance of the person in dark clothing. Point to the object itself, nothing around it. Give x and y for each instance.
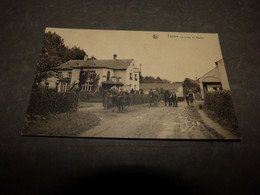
(175, 100)
(113, 99)
(151, 97)
(191, 97)
(187, 98)
(121, 101)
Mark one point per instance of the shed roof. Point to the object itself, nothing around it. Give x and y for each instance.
(209, 73)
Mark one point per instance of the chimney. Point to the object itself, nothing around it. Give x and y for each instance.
(115, 57)
(86, 57)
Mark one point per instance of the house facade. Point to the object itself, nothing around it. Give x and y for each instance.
(216, 79)
(111, 72)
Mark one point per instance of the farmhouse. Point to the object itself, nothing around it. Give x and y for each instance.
(216, 79)
(111, 72)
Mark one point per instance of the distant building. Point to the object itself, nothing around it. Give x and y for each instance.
(216, 79)
(112, 72)
(172, 87)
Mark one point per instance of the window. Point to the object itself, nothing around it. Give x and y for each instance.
(89, 76)
(87, 87)
(65, 87)
(69, 74)
(136, 77)
(108, 75)
(59, 74)
(130, 76)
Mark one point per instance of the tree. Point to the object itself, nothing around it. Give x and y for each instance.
(141, 78)
(75, 53)
(92, 58)
(53, 53)
(191, 84)
(151, 79)
(51, 56)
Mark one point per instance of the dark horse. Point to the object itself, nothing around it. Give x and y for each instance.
(166, 97)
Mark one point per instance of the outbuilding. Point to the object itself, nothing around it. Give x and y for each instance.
(215, 79)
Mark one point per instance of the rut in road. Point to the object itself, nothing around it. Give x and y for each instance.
(142, 121)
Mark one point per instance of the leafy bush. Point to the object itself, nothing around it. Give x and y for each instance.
(221, 103)
(85, 95)
(43, 102)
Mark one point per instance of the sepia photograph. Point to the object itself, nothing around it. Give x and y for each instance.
(131, 84)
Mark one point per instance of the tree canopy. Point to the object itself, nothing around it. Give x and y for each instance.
(53, 53)
(191, 84)
(151, 79)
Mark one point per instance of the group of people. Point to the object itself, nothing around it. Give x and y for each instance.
(170, 98)
(190, 97)
(120, 98)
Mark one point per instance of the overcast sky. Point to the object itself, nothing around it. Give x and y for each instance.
(169, 55)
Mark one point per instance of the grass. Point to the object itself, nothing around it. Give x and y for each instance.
(64, 124)
(232, 126)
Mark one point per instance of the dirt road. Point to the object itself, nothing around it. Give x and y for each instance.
(143, 121)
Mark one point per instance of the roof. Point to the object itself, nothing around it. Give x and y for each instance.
(116, 64)
(215, 68)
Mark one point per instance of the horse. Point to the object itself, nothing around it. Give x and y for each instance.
(153, 97)
(166, 97)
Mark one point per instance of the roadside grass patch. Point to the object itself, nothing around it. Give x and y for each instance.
(230, 125)
(64, 124)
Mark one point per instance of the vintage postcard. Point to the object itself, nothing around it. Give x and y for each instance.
(131, 84)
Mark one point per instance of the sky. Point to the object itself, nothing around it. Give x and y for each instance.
(170, 55)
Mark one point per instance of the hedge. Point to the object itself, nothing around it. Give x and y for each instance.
(85, 95)
(221, 103)
(43, 102)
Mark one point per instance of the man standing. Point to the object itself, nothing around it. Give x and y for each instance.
(121, 100)
(191, 98)
(187, 97)
(175, 100)
(151, 96)
(114, 94)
